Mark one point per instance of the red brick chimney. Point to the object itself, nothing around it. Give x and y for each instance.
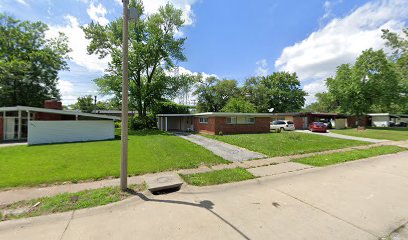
(53, 104)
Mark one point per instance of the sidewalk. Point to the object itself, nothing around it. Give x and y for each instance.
(359, 200)
(277, 166)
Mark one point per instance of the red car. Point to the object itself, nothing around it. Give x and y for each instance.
(317, 127)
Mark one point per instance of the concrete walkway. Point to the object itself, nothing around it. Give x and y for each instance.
(335, 135)
(12, 144)
(361, 200)
(227, 151)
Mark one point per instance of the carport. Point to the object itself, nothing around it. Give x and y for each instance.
(175, 122)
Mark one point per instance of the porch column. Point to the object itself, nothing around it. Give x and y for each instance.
(76, 117)
(166, 124)
(4, 126)
(19, 125)
(28, 122)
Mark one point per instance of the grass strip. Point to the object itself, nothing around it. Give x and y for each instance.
(65, 202)
(286, 143)
(217, 177)
(340, 157)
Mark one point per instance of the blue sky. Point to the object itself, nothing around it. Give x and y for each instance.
(232, 39)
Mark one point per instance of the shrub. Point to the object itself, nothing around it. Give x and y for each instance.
(118, 124)
(140, 123)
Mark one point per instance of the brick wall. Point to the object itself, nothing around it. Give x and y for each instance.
(1, 129)
(299, 122)
(51, 104)
(204, 128)
(351, 121)
(217, 124)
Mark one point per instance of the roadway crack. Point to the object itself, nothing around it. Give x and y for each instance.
(66, 227)
(328, 213)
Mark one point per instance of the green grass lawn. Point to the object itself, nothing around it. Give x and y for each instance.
(149, 151)
(396, 134)
(217, 177)
(285, 143)
(340, 157)
(67, 201)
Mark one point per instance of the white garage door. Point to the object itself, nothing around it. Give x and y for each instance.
(42, 132)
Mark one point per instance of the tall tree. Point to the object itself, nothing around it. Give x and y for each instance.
(213, 94)
(373, 81)
(153, 49)
(399, 45)
(280, 91)
(85, 104)
(325, 102)
(239, 105)
(29, 63)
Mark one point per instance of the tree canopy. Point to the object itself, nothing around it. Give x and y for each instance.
(280, 91)
(239, 105)
(154, 48)
(29, 62)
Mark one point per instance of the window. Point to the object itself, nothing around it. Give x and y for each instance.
(231, 120)
(203, 120)
(250, 120)
(240, 120)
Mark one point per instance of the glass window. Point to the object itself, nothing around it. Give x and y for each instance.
(203, 120)
(250, 120)
(231, 120)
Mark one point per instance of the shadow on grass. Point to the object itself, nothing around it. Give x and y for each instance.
(205, 204)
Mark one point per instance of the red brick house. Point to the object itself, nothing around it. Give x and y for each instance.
(216, 122)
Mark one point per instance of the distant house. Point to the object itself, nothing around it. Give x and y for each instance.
(384, 119)
(216, 122)
(302, 120)
(117, 113)
(51, 124)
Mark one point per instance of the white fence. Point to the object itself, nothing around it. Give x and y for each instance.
(42, 132)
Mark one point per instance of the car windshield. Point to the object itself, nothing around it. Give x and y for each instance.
(320, 124)
(290, 122)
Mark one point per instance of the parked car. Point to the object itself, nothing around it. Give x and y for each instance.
(317, 127)
(391, 124)
(402, 124)
(282, 125)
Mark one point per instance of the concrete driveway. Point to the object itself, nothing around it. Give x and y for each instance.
(335, 135)
(227, 151)
(364, 199)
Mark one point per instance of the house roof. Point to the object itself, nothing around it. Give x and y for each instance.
(384, 115)
(317, 114)
(217, 114)
(56, 111)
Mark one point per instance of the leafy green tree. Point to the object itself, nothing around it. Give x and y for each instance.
(84, 104)
(153, 49)
(399, 45)
(373, 81)
(325, 102)
(239, 105)
(213, 94)
(280, 91)
(29, 63)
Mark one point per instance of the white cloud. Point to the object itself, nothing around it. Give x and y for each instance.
(185, 5)
(78, 44)
(263, 67)
(342, 40)
(97, 13)
(23, 2)
(313, 88)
